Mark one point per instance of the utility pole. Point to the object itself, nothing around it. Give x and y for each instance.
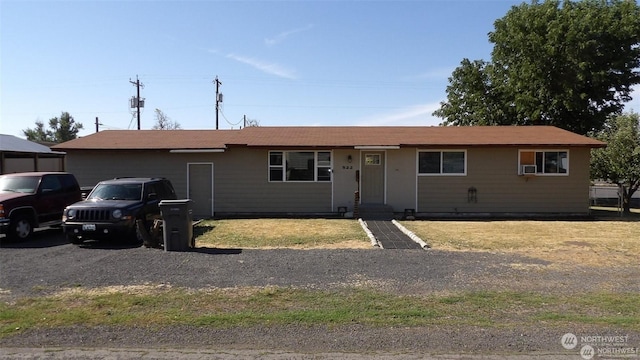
(218, 98)
(136, 102)
(97, 125)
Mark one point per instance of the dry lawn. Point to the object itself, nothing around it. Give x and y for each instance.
(282, 233)
(563, 243)
(592, 243)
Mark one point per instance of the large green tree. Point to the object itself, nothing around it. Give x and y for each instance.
(61, 129)
(568, 64)
(619, 162)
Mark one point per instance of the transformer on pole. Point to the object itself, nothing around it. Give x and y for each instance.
(218, 98)
(136, 101)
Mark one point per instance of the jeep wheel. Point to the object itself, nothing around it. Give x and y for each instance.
(21, 228)
(74, 239)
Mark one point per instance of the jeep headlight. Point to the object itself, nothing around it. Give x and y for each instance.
(71, 213)
(117, 214)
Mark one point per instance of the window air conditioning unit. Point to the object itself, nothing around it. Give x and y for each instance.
(529, 170)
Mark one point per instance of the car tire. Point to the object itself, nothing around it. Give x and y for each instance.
(21, 228)
(74, 239)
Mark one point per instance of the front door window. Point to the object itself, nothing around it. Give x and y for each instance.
(372, 159)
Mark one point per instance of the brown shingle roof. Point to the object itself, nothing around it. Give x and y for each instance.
(151, 139)
(353, 136)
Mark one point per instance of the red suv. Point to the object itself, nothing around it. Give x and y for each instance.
(34, 199)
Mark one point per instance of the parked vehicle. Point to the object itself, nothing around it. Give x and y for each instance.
(112, 208)
(34, 199)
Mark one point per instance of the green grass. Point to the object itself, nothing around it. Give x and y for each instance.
(222, 308)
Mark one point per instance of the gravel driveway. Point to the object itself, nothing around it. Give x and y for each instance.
(47, 264)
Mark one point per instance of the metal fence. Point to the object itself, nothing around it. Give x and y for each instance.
(607, 195)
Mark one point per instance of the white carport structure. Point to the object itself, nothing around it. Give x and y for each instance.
(20, 155)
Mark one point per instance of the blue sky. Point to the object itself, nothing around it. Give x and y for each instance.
(282, 63)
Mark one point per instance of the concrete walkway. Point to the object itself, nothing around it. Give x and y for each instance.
(389, 236)
(379, 224)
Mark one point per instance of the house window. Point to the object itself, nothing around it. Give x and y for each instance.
(276, 168)
(452, 162)
(324, 166)
(372, 159)
(544, 162)
(299, 166)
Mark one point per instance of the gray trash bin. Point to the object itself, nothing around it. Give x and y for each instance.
(178, 224)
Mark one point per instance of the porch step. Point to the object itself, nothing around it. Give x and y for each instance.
(375, 212)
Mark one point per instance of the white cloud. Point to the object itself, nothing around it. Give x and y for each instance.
(285, 34)
(417, 115)
(269, 68)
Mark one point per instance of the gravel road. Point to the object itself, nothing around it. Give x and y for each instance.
(48, 264)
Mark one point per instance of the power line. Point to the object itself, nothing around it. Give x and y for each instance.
(229, 122)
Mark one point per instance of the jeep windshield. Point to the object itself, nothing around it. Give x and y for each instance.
(19, 184)
(116, 192)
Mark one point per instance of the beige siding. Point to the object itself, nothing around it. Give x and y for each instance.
(494, 173)
(240, 178)
(242, 185)
(90, 167)
(241, 181)
(344, 178)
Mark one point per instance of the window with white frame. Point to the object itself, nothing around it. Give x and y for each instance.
(543, 162)
(299, 166)
(445, 162)
(372, 159)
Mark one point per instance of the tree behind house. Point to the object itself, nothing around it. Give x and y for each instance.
(163, 122)
(60, 130)
(619, 162)
(569, 64)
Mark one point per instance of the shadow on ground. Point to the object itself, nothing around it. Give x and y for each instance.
(216, 251)
(614, 214)
(41, 238)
